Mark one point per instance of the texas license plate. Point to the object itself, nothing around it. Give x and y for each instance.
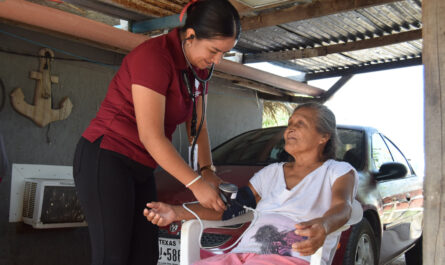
(169, 249)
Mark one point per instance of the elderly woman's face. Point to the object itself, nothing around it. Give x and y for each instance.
(301, 134)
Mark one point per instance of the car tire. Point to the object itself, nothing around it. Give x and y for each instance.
(414, 255)
(362, 246)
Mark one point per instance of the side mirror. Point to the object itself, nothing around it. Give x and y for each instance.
(391, 170)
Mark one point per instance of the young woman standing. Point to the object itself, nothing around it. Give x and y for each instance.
(131, 133)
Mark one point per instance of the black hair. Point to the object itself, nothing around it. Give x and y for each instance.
(325, 124)
(213, 18)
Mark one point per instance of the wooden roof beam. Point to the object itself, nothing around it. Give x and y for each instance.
(335, 87)
(365, 68)
(321, 99)
(59, 23)
(337, 48)
(148, 7)
(287, 98)
(250, 84)
(315, 9)
(109, 9)
(251, 73)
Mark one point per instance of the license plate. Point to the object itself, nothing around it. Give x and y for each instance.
(169, 249)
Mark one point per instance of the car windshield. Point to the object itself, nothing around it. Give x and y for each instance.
(265, 146)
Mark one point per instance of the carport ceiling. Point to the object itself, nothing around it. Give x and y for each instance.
(321, 38)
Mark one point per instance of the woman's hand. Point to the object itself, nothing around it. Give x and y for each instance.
(210, 177)
(207, 195)
(316, 234)
(160, 214)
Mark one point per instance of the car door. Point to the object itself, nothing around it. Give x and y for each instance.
(394, 193)
(413, 187)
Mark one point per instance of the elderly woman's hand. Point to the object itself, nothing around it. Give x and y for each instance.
(316, 234)
(159, 213)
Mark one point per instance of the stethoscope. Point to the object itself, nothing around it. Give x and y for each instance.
(193, 132)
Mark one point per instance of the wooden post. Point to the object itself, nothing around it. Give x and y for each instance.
(434, 63)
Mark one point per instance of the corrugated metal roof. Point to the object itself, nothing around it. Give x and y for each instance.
(389, 53)
(321, 38)
(346, 27)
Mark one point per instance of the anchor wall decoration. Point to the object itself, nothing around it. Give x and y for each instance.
(42, 112)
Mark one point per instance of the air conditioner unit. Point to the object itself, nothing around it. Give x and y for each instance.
(51, 203)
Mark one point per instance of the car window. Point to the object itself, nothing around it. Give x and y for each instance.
(266, 146)
(396, 154)
(351, 147)
(259, 147)
(380, 152)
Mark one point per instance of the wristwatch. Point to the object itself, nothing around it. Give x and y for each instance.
(211, 167)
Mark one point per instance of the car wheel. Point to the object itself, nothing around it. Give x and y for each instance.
(362, 247)
(414, 255)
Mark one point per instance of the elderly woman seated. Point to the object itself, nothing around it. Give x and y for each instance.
(307, 198)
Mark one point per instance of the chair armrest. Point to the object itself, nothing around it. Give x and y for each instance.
(190, 250)
(356, 216)
(356, 213)
(190, 235)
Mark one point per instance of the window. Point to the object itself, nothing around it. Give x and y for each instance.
(380, 152)
(266, 146)
(396, 154)
(351, 147)
(259, 147)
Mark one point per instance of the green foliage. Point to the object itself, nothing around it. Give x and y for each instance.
(276, 113)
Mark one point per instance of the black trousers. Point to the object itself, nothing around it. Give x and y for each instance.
(113, 191)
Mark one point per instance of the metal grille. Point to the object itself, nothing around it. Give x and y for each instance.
(61, 205)
(209, 240)
(29, 199)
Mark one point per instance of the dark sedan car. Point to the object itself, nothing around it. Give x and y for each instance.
(389, 191)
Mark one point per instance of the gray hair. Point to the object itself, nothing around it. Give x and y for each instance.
(324, 124)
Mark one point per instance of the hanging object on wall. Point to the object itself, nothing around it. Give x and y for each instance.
(42, 112)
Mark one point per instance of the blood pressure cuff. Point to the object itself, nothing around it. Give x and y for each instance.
(244, 197)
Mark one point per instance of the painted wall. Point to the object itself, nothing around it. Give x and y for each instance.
(230, 112)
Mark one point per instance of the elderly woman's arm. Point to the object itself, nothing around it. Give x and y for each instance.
(163, 214)
(338, 214)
